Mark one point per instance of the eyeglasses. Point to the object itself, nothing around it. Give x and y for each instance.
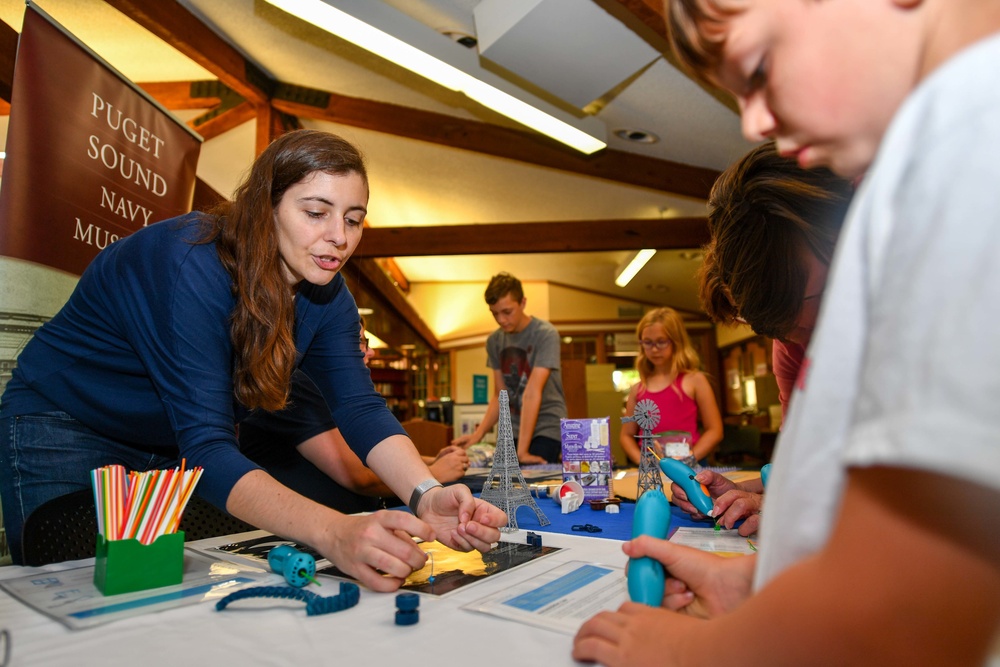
(363, 342)
(655, 344)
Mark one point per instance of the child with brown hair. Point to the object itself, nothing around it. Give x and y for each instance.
(879, 544)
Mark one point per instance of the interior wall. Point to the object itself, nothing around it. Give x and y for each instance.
(568, 304)
(457, 310)
(438, 302)
(728, 335)
(465, 363)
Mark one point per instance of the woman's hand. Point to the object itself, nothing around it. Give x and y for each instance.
(699, 583)
(460, 520)
(376, 548)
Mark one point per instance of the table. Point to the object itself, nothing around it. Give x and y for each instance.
(613, 526)
(283, 634)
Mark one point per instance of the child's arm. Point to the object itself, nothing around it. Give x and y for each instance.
(491, 417)
(329, 452)
(711, 418)
(531, 403)
(904, 579)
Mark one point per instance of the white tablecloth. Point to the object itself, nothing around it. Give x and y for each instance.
(284, 635)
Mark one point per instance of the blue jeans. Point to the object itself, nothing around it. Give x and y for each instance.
(49, 454)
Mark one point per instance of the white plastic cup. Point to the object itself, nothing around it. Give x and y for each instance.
(570, 486)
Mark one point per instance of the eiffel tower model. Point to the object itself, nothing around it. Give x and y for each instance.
(505, 486)
(646, 415)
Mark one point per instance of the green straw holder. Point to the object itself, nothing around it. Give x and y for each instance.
(124, 566)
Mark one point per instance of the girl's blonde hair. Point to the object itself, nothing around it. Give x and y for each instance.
(684, 358)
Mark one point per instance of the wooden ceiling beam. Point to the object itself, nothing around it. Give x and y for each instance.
(372, 273)
(534, 237)
(181, 95)
(225, 121)
(182, 30)
(529, 147)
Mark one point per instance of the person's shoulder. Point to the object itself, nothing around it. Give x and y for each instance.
(783, 354)
(540, 325)
(694, 377)
(162, 246)
(187, 228)
(960, 89)
(695, 384)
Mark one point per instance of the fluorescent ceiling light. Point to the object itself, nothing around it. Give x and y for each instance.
(627, 273)
(423, 51)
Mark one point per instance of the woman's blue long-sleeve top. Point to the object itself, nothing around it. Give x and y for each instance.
(141, 354)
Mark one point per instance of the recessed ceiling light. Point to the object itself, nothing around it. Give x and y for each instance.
(637, 136)
(365, 311)
(463, 38)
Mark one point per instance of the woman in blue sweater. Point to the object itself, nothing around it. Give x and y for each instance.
(177, 332)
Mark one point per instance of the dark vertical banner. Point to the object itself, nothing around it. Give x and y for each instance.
(90, 158)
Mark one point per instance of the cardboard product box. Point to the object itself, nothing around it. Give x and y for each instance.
(586, 455)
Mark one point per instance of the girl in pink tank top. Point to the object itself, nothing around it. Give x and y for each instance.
(669, 376)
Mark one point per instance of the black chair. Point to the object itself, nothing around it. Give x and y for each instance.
(65, 528)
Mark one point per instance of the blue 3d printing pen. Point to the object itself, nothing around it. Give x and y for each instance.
(645, 575)
(682, 475)
(765, 474)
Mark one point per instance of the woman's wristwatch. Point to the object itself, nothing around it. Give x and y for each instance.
(419, 491)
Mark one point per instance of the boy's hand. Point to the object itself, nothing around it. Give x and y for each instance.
(698, 583)
(713, 481)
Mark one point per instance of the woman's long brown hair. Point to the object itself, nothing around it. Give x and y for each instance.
(262, 321)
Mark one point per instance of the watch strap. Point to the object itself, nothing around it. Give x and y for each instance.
(419, 491)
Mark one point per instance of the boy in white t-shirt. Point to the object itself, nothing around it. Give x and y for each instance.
(879, 544)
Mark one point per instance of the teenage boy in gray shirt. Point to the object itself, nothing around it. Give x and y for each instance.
(524, 355)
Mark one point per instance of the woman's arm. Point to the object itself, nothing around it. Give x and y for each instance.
(459, 520)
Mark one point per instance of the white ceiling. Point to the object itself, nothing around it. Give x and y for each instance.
(415, 183)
